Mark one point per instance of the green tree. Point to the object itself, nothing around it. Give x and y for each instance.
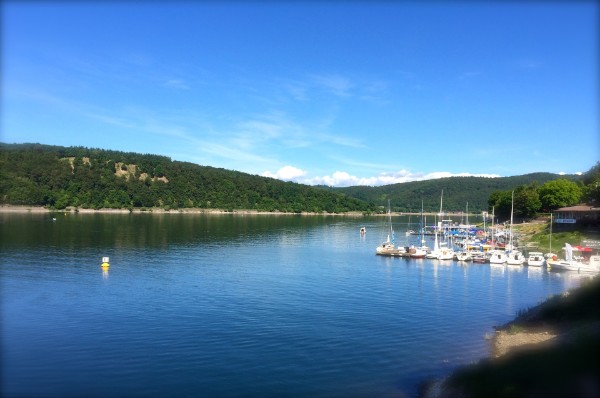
(591, 180)
(527, 201)
(559, 193)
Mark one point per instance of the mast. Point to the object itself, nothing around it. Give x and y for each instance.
(493, 231)
(512, 206)
(550, 232)
(390, 220)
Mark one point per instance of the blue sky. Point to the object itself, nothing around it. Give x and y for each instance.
(336, 93)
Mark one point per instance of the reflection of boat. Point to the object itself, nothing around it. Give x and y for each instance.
(535, 259)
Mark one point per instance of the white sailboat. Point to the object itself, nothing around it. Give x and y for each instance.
(387, 247)
(550, 255)
(513, 256)
(440, 250)
(421, 251)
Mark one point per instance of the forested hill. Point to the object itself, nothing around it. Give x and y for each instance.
(34, 174)
(58, 177)
(458, 191)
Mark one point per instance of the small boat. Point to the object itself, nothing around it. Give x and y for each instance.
(480, 257)
(497, 257)
(569, 264)
(417, 252)
(363, 230)
(515, 257)
(386, 248)
(446, 254)
(536, 259)
(463, 256)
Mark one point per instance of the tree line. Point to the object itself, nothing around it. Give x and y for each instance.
(528, 200)
(60, 177)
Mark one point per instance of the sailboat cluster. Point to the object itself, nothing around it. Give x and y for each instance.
(495, 245)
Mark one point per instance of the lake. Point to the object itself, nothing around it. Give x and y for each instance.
(239, 305)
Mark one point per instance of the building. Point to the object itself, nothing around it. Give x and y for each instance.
(576, 217)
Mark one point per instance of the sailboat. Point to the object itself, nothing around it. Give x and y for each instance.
(441, 251)
(550, 255)
(496, 256)
(421, 251)
(514, 257)
(388, 248)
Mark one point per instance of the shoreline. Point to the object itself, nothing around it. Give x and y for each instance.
(158, 210)
(537, 332)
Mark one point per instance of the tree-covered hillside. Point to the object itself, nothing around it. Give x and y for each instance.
(458, 191)
(58, 177)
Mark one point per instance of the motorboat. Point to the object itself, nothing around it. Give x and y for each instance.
(480, 257)
(536, 259)
(515, 257)
(570, 264)
(464, 256)
(497, 257)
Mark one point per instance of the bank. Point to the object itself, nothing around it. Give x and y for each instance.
(549, 350)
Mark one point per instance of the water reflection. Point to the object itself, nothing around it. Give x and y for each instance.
(535, 273)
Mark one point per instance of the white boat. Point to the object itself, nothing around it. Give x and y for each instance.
(387, 248)
(446, 254)
(515, 257)
(536, 259)
(550, 256)
(417, 252)
(569, 264)
(440, 250)
(497, 257)
(464, 256)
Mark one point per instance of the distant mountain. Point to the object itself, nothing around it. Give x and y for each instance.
(458, 191)
(56, 176)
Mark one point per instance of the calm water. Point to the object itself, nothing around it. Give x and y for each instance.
(229, 306)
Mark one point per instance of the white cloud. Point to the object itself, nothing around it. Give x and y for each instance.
(345, 179)
(286, 173)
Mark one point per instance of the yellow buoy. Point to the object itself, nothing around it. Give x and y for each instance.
(105, 262)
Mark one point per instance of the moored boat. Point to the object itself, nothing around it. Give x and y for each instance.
(570, 264)
(463, 256)
(535, 259)
(480, 257)
(497, 257)
(515, 257)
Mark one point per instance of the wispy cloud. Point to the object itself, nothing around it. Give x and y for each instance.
(335, 84)
(178, 84)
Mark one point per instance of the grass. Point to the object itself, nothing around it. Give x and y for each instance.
(538, 235)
